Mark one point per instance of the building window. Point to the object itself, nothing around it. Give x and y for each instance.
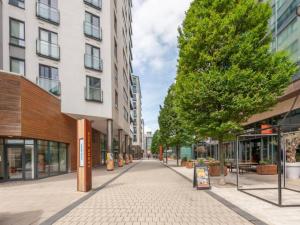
(18, 3)
(17, 65)
(94, 3)
(116, 75)
(49, 79)
(92, 26)
(116, 100)
(47, 44)
(92, 58)
(47, 10)
(93, 90)
(125, 114)
(17, 32)
(125, 95)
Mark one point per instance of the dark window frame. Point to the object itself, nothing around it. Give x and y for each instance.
(99, 21)
(39, 39)
(92, 5)
(87, 77)
(92, 56)
(19, 59)
(10, 29)
(11, 2)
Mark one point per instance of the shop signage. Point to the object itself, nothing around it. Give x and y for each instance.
(81, 152)
(201, 177)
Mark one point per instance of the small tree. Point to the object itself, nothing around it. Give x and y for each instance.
(226, 71)
(172, 129)
(155, 142)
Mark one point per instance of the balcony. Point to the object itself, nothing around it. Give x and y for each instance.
(52, 86)
(17, 41)
(45, 12)
(48, 50)
(94, 3)
(131, 104)
(93, 62)
(93, 94)
(92, 31)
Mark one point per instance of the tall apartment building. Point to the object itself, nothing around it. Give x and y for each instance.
(148, 143)
(78, 53)
(137, 117)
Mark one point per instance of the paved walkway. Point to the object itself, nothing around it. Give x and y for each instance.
(32, 202)
(264, 211)
(150, 193)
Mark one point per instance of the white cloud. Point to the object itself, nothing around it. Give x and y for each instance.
(155, 24)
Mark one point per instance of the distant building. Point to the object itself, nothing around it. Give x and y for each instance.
(148, 142)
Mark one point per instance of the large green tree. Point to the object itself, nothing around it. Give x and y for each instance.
(173, 132)
(226, 70)
(155, 142)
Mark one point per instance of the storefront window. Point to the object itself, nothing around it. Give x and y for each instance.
(43, 159)
(29, 161)
(63, 158)
(54, 166)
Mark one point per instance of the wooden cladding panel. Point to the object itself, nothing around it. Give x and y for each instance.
(10, 106)
(42, 118)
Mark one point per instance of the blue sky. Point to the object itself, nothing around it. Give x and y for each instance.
(155, 24)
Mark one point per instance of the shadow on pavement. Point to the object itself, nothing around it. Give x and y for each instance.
(22, 218)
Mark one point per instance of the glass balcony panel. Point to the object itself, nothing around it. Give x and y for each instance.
(46, 12)
(92, 30)
(93, 62)
(94, 94)
(96, 3)
(18, 3)
(17, 41)
(48, 49)
(52, 86)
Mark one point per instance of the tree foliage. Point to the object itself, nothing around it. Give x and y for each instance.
(226, 71)
(155, 142)
(173, 132)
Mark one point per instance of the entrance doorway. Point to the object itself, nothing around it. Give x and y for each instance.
(14, 162)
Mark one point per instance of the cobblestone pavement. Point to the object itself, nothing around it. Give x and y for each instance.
(151, 194)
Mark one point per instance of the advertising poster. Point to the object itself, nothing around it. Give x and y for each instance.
(201, 178)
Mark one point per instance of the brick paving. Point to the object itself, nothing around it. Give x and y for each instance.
(151, 194)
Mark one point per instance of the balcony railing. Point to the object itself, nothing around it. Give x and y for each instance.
(47, 49)
(52, 86)
(93, 94)
(94, 3)
(17, 41)
(48, 13)
(92, 30)
(93, 62)
(18, 3)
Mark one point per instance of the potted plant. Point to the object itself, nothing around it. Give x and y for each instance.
(183, 161)
(189, 164)
(292, 141)
(266, 168)
(214, 168)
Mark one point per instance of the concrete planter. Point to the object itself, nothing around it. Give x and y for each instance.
(266, 169)
(215, 170)
(293, 170)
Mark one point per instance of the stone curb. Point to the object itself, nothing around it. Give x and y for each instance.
(252, 219)
(69, 208)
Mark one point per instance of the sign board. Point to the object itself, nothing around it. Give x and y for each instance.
(201, 177)
(81, 152)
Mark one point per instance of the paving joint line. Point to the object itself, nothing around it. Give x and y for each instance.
(250, 218)
(54, 218)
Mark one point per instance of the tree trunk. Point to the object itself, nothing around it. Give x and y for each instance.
(222, 162)
(167, 155)
(177, 154)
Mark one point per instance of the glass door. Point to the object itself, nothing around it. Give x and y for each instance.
(14, 162)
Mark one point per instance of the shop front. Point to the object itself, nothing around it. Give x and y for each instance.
(27, 159)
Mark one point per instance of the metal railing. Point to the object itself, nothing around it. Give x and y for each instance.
(93, 62)
(17, 41)
(92, 30)
(52, 86)
(95, 3)
(93, 94)
(47, 49)
(48, 13)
